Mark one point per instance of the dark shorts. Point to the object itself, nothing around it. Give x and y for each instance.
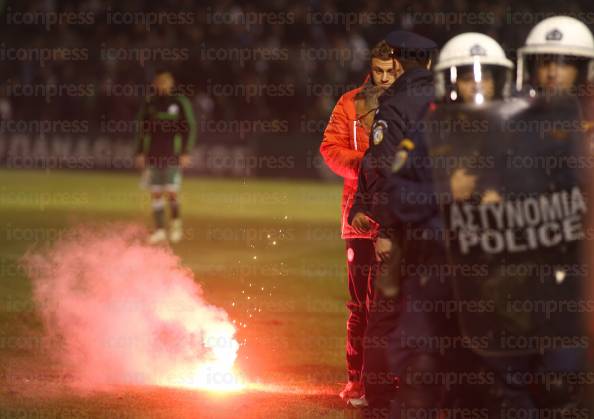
(164, 179)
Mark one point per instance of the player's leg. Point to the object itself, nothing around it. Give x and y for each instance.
(176, 230)
(360, 254)
(158, 206)
(156, 183)
(172, 188)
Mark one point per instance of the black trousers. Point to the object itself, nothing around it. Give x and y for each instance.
(383, 316)
(402, 342)
(360, 262)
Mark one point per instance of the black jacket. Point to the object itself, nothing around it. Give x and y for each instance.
(401, 108)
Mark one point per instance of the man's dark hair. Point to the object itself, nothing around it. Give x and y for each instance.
(382, 51)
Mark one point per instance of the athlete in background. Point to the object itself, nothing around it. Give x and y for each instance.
(165, 138)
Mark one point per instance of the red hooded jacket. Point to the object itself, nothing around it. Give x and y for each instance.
(345, 141)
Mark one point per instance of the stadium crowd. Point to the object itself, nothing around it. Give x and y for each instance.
(256, 60)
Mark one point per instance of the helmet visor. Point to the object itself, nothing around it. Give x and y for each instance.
(552, 74)
(474, 84)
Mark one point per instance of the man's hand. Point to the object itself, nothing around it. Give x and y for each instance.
(140, 161)
(463, 184)
(383, 249)
(491, 197)
(184, 161)
(361, 223)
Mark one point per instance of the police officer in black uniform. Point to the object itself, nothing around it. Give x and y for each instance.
(525, 360)
(401, 109)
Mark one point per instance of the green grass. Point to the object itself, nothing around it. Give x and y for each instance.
(296, 342)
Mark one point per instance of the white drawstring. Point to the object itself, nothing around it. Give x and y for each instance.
(355, 133)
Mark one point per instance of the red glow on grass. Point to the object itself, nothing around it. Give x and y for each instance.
(129, 313)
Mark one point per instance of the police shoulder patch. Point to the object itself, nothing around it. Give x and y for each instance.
(378, 131)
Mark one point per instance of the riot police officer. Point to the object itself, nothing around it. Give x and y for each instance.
(472, 70)
(556, 58)
(497, 216)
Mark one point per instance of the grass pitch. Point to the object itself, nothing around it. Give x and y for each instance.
(277, 242)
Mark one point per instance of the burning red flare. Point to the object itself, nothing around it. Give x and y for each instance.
(129, 313)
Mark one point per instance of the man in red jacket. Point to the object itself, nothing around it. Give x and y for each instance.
(345, 140)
